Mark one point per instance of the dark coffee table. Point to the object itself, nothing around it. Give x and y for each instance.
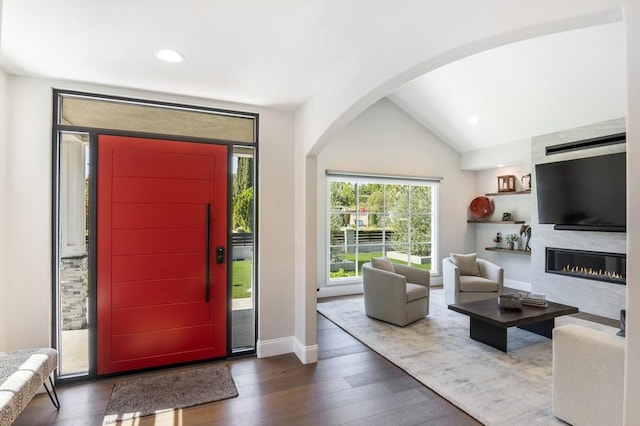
(488, 323)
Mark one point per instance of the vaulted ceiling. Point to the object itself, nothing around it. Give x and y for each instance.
(279, 54)
(533, 87)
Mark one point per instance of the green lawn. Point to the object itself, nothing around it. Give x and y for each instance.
(241, 270)
(364, 258)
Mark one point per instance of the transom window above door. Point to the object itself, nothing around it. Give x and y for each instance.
(137, 116)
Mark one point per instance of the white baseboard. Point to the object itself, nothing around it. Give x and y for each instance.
(275, 347)
(306, 354)
(339, 290)
(349, 289)
(518, 285)
(435, 281)
(287, 345)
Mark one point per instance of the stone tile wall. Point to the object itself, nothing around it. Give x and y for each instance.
(594, 297)
(74, 287)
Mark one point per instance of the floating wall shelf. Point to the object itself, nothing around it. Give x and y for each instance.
(504, 250)
(503, 222)
(492, 194)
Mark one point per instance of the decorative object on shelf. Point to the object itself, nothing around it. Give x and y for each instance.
(506, 216)
(511, 239)
(481, 207)
(527, 178)
(525, 233)
(497, 240)
(510, 301)
(507, 183)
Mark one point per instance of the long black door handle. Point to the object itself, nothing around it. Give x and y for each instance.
(207, 270)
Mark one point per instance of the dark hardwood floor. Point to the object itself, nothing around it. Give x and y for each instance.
(350, 384)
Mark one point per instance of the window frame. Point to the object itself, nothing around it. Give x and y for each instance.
(361, 179)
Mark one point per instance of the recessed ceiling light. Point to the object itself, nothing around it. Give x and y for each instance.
(170, 55)
(473, 120)
(500, 165)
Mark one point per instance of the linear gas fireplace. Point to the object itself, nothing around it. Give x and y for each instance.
(592, 265)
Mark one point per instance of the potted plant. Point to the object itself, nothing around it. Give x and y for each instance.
(511, 239)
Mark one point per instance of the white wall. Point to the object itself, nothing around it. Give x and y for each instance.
(517, 267)
(306, 347)
(510, 154)
(385, 140)
(27, 205)
(28, 215)
(3, 194)
(632, 373)
(276, 216)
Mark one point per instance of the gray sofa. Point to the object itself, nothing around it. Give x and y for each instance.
(400, 297)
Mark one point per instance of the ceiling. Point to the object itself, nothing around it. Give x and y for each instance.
(523, 89)
(280, 53)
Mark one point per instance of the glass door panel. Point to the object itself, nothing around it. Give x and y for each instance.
(73, 254)
(243, 248)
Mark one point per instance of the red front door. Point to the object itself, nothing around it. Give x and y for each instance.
(161, 262)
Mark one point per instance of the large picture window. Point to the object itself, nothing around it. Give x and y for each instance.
(379, 216)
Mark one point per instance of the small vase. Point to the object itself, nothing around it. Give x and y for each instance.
(510, 246)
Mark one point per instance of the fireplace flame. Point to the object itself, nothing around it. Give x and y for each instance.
(598, 273)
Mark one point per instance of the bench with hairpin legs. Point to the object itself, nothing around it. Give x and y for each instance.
(21, 375)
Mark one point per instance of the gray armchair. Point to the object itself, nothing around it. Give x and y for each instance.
(487, 283)
(400, 297)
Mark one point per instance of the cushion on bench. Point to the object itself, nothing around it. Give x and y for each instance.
(21, 375)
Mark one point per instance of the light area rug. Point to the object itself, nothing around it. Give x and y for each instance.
(165, 392)
(494, 387)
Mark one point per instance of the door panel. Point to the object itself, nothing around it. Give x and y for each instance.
(161, 190)
(159, 317)
(129, 294)
(147, 164)
(156, 241)
(158, 267)
(139, 349)
(156, 202)
(154, 215)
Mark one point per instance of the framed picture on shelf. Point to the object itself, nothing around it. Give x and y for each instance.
(507, 183)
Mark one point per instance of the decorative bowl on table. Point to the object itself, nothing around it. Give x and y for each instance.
(481, 207)
(510, 301)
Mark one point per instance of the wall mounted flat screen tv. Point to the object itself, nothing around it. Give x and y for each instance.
(583, 194)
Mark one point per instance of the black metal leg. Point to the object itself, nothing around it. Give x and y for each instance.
(488, 334)
(543, 328)
(56, 401)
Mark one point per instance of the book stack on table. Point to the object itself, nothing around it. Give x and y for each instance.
(538, 300)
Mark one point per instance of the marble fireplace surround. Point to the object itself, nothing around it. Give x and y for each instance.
(591, 296)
